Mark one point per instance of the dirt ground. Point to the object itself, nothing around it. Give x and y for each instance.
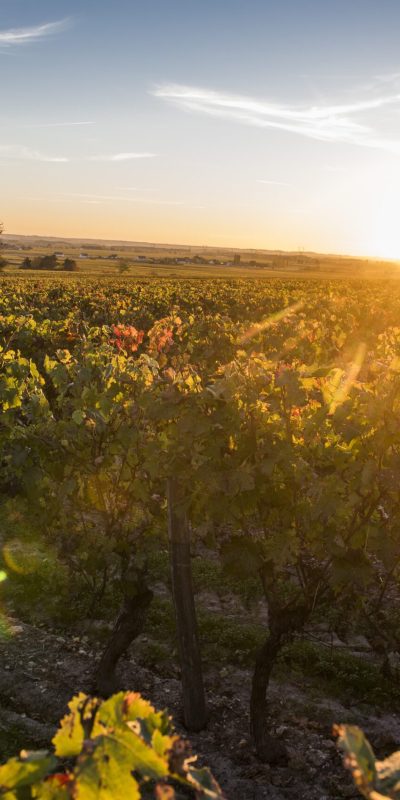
(40, 671)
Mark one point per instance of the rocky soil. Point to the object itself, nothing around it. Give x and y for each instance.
(40, 671)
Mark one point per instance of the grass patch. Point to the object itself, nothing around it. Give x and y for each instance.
(160, 621)
(227, 641)
(210, 575)
(223, 641)
(349, 677)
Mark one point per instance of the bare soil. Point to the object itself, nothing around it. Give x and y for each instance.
(40, 671)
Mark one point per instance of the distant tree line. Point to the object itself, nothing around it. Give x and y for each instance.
(49, 262)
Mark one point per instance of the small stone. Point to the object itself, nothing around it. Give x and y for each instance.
(317, 758)
(359, 643)
(329, 745)
(297, 762)
(17, 629)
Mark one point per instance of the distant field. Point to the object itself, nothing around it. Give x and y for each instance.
(273, 404)
(147, 261)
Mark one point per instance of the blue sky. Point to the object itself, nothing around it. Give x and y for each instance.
(257, 123)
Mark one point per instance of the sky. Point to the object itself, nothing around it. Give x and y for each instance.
(253, 124)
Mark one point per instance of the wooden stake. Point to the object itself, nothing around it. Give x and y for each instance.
(194, 704)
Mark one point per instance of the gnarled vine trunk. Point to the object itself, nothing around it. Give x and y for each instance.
(283, 623)
(128, 626)
(268, 749)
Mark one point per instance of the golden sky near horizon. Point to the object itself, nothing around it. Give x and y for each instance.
(257, 125)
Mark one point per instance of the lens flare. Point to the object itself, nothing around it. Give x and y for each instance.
(21, 557)
(348, 379)
(269, 321)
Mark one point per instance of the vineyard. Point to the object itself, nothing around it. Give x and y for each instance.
(166, 440)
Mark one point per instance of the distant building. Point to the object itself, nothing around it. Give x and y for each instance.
(236, 259)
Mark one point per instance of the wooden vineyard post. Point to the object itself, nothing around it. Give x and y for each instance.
(194, 704)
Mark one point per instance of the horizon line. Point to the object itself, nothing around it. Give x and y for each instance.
(270, 250)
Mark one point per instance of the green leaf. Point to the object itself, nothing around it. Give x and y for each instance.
(389, 775)
(143, 758)
(205, 783)
(123, 707)
(241, 557)
(69, 739)
(104, 772)
(25, 770)
(161, 744)
(78, 417)
(52, 789)
(360, 758)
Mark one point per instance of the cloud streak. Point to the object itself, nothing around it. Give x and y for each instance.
(99, 198)
(115, 157)
(13, 152)
(21, 153)
(18, 36)
(58, 124)
(325, 123)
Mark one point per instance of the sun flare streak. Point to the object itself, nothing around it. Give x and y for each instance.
(348, 379)
(254, 330)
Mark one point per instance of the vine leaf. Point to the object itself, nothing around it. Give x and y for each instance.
(26, 769)
(104, 772)
(69, 739)
(376, 780)
(204, 783)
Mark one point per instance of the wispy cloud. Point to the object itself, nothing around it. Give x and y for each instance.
(58, 124)
(100, 198)
(388, 77)
(21, 153)
(18, 36)
(122, 156)
(326, 123)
